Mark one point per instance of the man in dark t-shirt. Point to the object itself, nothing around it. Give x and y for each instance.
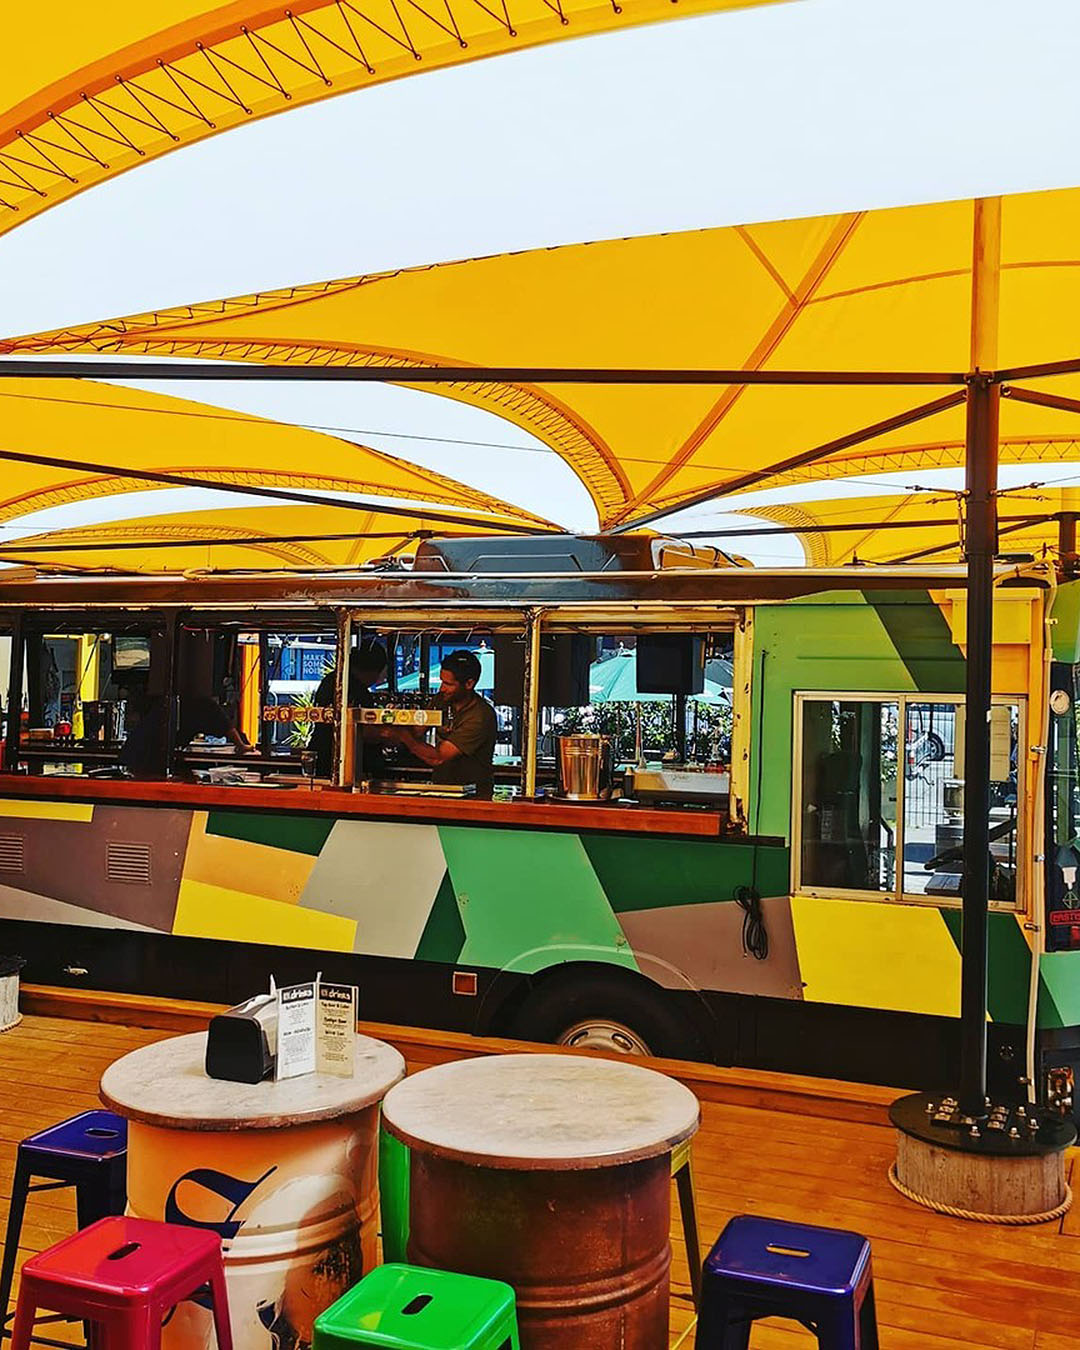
(465, 745)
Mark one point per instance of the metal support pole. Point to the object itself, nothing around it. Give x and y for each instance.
(1067, 542)
(15, 697)
(170, 655)
(265, 729)
(530, 713)
(342, 742)
(981, 483)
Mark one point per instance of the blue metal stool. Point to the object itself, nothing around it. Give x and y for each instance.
(89, 1152)
(820, 1277)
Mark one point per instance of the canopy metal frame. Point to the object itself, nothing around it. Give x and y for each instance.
(980, 389)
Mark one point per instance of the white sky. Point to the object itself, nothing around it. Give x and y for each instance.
(796, 109)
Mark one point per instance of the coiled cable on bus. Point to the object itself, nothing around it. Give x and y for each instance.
(755, 938)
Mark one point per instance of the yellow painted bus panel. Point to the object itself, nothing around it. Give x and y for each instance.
(876, 955)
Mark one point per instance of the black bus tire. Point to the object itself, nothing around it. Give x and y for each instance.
(607, 1010)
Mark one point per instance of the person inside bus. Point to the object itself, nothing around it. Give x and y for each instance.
(367, 667)
(465, 744)
(199, 715)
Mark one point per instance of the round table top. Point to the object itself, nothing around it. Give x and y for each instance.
(541, 1112)
(166, 1084)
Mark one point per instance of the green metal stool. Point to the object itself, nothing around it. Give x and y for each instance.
(399, 1307)
(682, 1173)
(393, 1196)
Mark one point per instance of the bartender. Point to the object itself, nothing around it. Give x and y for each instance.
(465, 745)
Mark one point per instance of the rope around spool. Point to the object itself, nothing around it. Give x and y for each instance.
(1013, 1220)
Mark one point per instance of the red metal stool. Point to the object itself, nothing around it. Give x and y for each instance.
(123, 1275)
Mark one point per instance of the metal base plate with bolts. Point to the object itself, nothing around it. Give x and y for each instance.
(1007, 1130)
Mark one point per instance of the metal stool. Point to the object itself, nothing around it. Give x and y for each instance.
(123, 1276)
(683, 1175)
(820, 1277)
(89, 1152)
(393, 1196)
(399, 1307)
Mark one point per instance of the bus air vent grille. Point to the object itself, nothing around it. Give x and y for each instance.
(12, 853)
(128, 864)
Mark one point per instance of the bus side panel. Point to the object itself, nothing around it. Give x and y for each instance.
(517, 900)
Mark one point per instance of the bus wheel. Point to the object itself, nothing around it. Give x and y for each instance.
(607, 1010)
(601, 1033)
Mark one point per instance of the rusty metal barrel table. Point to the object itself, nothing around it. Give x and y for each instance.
(553, 1173)
(285, 1173)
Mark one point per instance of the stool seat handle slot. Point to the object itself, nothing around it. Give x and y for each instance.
(787, 1251)
(415, 1305)
(125, 1250)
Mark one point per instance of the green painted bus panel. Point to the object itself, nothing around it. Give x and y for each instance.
(444, 933)
(638, 873)
(1066, 623)
(529, 900)
(918, 630)
(1059, 990)
(886, 642)
(809, 646)
(293, 833)
(1008, 964)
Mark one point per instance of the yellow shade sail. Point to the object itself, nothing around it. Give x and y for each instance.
(250, 538)
(90, 90)
(877, 293)
(79, 440)
(916, 527)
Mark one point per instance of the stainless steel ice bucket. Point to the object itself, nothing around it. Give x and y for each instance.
(584, 767)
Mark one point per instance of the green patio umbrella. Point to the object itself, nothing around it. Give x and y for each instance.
(613, 679)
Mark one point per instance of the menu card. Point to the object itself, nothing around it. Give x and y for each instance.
(335, 1028)
(296, 1030)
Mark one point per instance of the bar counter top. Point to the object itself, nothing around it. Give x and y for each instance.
(655, 820)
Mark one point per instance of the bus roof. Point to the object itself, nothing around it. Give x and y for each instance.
(21, 588)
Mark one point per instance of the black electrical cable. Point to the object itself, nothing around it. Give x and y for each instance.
(755, 938)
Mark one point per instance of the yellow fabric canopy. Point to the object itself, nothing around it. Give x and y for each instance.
(920, 527)
(874, 291)
(119, 433)
(92, 90)
(307, 537)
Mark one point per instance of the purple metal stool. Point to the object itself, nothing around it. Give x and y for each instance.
(89, 1152)
(820, 1277)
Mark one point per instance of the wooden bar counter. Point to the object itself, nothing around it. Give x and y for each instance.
(671, 820)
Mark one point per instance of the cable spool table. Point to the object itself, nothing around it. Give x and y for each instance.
(285, 1173)
(553, 1173)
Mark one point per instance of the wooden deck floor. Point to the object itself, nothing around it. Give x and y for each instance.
(942, 1284)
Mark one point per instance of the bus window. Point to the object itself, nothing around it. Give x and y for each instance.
(398, 670)
(5, 685)
(848, 795)
(880, 801)
(612, 685)
(248, 698)
(415, 678)
(934, 800)
(84, 695)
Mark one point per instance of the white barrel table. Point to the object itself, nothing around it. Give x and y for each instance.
(286, 1173)
(553, 1173)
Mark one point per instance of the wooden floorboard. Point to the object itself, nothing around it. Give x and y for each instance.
(941, 1284)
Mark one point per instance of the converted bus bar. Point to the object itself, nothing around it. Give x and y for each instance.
(808, 922)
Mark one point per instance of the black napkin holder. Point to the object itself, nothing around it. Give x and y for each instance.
(241, 1042)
